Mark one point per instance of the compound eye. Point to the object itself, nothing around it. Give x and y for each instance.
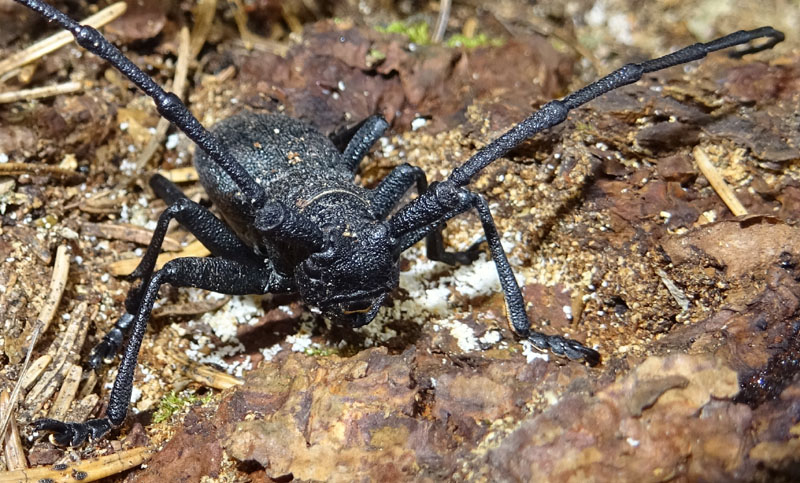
(380, 232)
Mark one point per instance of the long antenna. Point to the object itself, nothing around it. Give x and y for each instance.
(167, 103)
(555, 112)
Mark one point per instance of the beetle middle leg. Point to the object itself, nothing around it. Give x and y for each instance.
(210, 230)
(216, 274)
(361, 138)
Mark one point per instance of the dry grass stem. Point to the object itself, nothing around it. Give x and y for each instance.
(185, 55)
(13, 452)
(40, 92)
(55, 42)
(718, 183)
(83, 471)
(441, 21)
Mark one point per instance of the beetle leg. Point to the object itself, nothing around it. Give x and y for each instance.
(107, 348)
(390, 192)
(362, 137)
(514, 301)
(447, 201)
(216, 274)
(212, 232)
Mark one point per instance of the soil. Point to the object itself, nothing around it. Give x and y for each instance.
(617, 239)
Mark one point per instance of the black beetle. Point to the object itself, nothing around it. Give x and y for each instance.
(296, 222)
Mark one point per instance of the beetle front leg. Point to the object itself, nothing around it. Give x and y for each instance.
(390, 192)
(514, 301)
(444, 201)
(216, 274)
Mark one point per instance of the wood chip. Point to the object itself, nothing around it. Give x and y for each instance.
(718, 183)
(180, 175)
(39, 169)
(68, 351)
(31, 335)
(69, 388)
(125, 267)
(88, 386)
(83, 409)
(34, 371)
(127, 232)
(83, 471)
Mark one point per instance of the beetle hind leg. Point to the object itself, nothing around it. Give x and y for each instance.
(212, 232)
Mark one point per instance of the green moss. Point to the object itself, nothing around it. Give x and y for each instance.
(480, 40)
(416, 32)
(173, 402)
(321, 351)
(583, 127)
(376, 54)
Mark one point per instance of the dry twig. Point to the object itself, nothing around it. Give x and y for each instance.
(39, 169)
(89, 470)
(718, 183)
(55, 42)
(126, 232)
(40, 92)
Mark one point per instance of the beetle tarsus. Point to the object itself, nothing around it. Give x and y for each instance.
(562, 346)
(73, 434)
(105, 351)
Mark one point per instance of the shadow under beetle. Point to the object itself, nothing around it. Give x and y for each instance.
(296, 222)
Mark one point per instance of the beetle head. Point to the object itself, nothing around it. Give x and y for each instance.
(351, 276)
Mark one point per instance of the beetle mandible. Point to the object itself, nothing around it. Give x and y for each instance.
(298, 223)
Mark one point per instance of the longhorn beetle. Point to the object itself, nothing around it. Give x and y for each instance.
(298, 223)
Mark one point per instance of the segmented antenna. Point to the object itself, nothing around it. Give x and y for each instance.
(555, 112)
(167, 103)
